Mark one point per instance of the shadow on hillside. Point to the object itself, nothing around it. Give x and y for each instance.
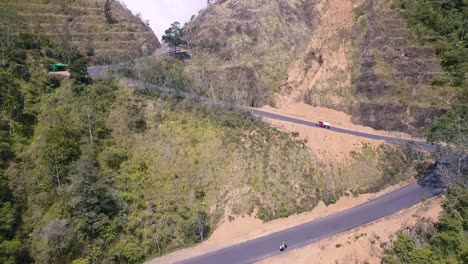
(434, 180)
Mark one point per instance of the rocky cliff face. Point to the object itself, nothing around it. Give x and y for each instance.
(83, 24)
(357, 56)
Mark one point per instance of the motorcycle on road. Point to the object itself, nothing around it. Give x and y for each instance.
(283, 246)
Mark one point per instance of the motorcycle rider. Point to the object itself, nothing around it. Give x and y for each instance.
(283, 246)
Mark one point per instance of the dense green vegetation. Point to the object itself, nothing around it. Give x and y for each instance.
(443, 23)
(21, 85)
(92, 175)
(445, 242)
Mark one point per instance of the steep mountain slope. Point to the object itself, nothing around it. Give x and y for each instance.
(242, 49)
(83, 24)
(98, 172)
(374, 67)
(358, 56)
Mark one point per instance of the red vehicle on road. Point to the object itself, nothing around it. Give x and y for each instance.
(323, 124)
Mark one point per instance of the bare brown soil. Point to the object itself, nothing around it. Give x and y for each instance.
(60, 73)
(328, 145)
(324, 68)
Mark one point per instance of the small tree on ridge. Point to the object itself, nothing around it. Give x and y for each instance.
(173, 36)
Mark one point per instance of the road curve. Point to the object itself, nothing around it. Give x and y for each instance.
(97, 71)
(392, 140)
(260, 113)
(299, 236)
(316, 230)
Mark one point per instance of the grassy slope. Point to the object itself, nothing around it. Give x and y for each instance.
(236, 164)
(400, 74)
(405, 74)
(172, 161)
(83, 24)
(190, 160)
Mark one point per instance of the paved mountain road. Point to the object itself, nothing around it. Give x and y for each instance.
(313, 231)
(299, 236)
(99, 70)
(388, 139)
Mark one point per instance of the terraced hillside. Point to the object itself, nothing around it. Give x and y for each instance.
(83, 24)
(398, 84)
(373, 66)
(357, 56)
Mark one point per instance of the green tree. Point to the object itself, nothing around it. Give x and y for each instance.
(9, 244)
(9, 251)
(6, 152)
(11, 100)
(201, 227)
(173, 36)
(59, 237)
(92, 204)
(62, 147)
(406, 251)
(128, 252)
(79, 70)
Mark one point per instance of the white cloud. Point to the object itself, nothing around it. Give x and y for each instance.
(161, 13)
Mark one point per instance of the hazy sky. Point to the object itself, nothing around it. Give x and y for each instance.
(161, 13)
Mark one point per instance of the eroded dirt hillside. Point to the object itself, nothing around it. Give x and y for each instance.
(326, 65)
(365, 60)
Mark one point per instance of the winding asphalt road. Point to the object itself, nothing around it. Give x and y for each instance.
(313, 231)
(99, 71)
(393, 140)
(299, 236)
